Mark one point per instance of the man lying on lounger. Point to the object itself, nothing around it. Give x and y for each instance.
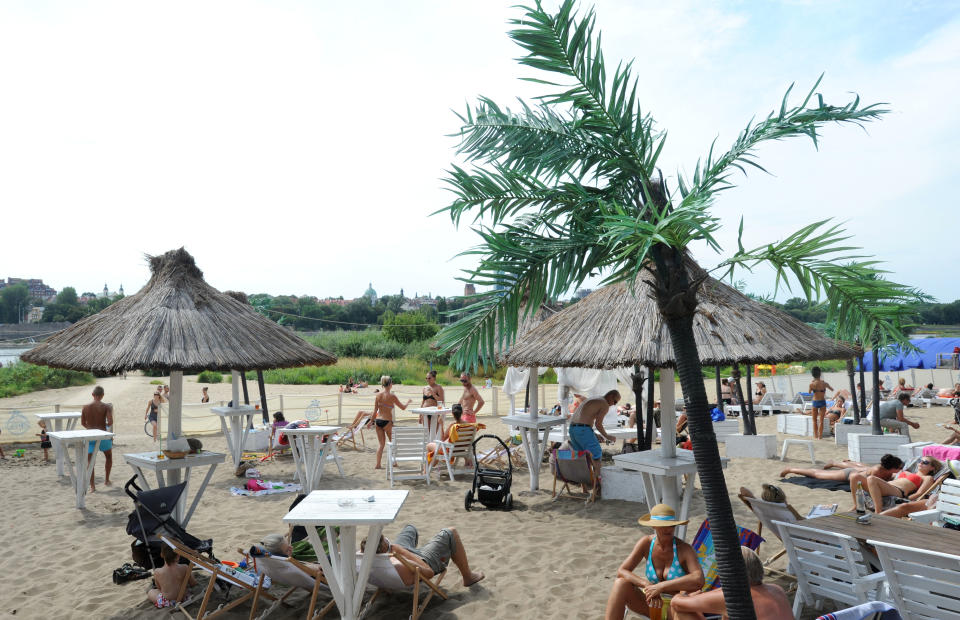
(842, 470)
(432, 558)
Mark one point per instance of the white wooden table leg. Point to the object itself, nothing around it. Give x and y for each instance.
(348, 567)
(336, 456)
(365, 564)
(328, 566)
(650, 494)
(143, 480)
(182, 504)
(199, 494)
(226, 435)
(58, 449)
(685, 502)
(81, 479)
(535, 464)
(319, 460)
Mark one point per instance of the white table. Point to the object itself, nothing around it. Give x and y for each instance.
(80, 470)
(434, 417)
(347, 584)
(662, 478)
(310, 454)
(149, 461)
(61, 421)
(234, 425)
(533, 443)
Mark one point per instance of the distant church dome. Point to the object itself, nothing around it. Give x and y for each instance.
(370, 293)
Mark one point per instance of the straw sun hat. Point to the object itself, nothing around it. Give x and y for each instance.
(661, 515)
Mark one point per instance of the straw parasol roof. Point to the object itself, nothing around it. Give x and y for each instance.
(614, 327)
(177, 322)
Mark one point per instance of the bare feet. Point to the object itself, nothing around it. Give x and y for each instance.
(475, 577)
(378, 467)
(107, 483)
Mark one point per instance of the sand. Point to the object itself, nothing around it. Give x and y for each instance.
(543, 559)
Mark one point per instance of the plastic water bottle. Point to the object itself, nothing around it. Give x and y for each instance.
(861, 500)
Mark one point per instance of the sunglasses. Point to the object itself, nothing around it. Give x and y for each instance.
(925, 462)
(463, 380)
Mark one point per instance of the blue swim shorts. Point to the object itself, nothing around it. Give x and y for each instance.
(582, 438)
(819, 403)
(105, 444)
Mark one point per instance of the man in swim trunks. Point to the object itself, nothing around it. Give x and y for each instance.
(891, 415)
(99, 415)
(589, 416)
(842, 470)
(471, 401)
(432, 558)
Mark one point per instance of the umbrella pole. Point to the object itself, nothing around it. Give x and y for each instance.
(876, 391)
(246, 397)
(748, 408)
(637, 384)
(738, 393)
(719, 389)
(668, 414)
(651, 423)
(174, 419)
(263, 398)
(863, 389)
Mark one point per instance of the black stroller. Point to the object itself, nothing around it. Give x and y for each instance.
(152, 517)
(491, 487)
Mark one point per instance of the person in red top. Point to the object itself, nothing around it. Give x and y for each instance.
(906, 485)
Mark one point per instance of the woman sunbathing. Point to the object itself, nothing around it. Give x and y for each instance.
(837, 411)
(844, 470)
(906, 485)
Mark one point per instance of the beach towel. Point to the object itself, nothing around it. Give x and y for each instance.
(942, 453)
(703, 545)
(814, 483)
(265, 487)
(874, 610)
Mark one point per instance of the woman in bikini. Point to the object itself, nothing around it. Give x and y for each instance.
(837, 411)
(153, 412)
(819, 388)
(670, 566)
(432, 395)
(906, 485)
(383, 405)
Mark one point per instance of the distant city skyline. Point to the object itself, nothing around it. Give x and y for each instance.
(299, 148)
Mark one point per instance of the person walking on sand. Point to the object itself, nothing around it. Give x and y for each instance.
(471, 401)
(206, 397)
(99, 415)
(819, 388)
(152, 414)
(383, 404)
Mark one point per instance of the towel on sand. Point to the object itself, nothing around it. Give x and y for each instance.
(815, 483)
(273, 487)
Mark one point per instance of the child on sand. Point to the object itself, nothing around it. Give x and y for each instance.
(168, 578)
(44, 441)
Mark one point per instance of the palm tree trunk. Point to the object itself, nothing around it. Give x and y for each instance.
(676, 298)
(877, 430)
(738, 394)
(853, 392)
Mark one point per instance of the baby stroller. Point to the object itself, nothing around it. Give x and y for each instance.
(491, 487)
(152, 517)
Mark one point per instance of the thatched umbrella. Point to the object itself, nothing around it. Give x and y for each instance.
(177, 322)
(616, 326)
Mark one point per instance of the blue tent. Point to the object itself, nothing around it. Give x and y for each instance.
(926, 357)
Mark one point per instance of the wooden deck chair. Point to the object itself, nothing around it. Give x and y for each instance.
(384, 577)
(216, 572)
(497, 455)
(407, 454)
(349, 434)
(833, 567)
(768, 514)
(923, 585)
(297, 576)
(448, 451)
(703, 546)
(571, 467)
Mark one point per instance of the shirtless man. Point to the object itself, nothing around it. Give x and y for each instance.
(168, 578)
(432, 558)
(99, 415)
(843, 471)
(588, 416)
(471, 401)
(819, 388)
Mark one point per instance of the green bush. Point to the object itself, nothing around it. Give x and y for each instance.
(156, 382)
(21, 378)
(209, 376)
(370, 343)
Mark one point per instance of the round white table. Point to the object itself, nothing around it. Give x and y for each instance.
(59, 421)
(310, 454)
(80, 470)
(434, 416)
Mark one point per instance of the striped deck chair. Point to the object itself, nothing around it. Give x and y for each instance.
(703, 545)
(350, 433)
(572, 467)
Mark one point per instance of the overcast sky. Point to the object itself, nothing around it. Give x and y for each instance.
(298, 147)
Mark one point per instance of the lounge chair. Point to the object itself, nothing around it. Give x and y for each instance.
(948, 505)
(768, 514)
(384, 577)
(294, 574)
(923, 585)
(772, 402)
(572, 467)
(498, 455)
(408, 448)
(349, 434)
(217, 572)
(833, 567)
(703, 545)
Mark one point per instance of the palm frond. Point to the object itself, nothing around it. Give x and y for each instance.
(713, 175)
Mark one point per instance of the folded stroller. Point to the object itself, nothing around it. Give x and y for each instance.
(152, 517)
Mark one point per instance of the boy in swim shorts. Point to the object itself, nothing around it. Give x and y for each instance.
(168, 578)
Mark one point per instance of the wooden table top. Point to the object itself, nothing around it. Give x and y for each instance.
(890, 530)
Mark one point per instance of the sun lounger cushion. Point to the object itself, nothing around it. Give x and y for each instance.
(943, 453)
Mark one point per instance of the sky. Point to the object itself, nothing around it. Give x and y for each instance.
(299, 147)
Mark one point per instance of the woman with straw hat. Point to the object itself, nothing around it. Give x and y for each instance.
(669, 566)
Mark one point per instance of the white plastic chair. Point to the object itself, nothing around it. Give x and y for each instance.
(462, 448)
(407, 454)
(923, 585)
(948, 504)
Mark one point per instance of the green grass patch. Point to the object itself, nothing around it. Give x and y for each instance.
(209, 376)
(156, 382)
(22, 378)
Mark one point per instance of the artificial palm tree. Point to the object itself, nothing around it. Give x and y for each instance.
(569, 187)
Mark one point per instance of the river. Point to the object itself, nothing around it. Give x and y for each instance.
(10, 355)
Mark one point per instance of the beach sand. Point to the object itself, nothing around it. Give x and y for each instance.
(543, 559)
